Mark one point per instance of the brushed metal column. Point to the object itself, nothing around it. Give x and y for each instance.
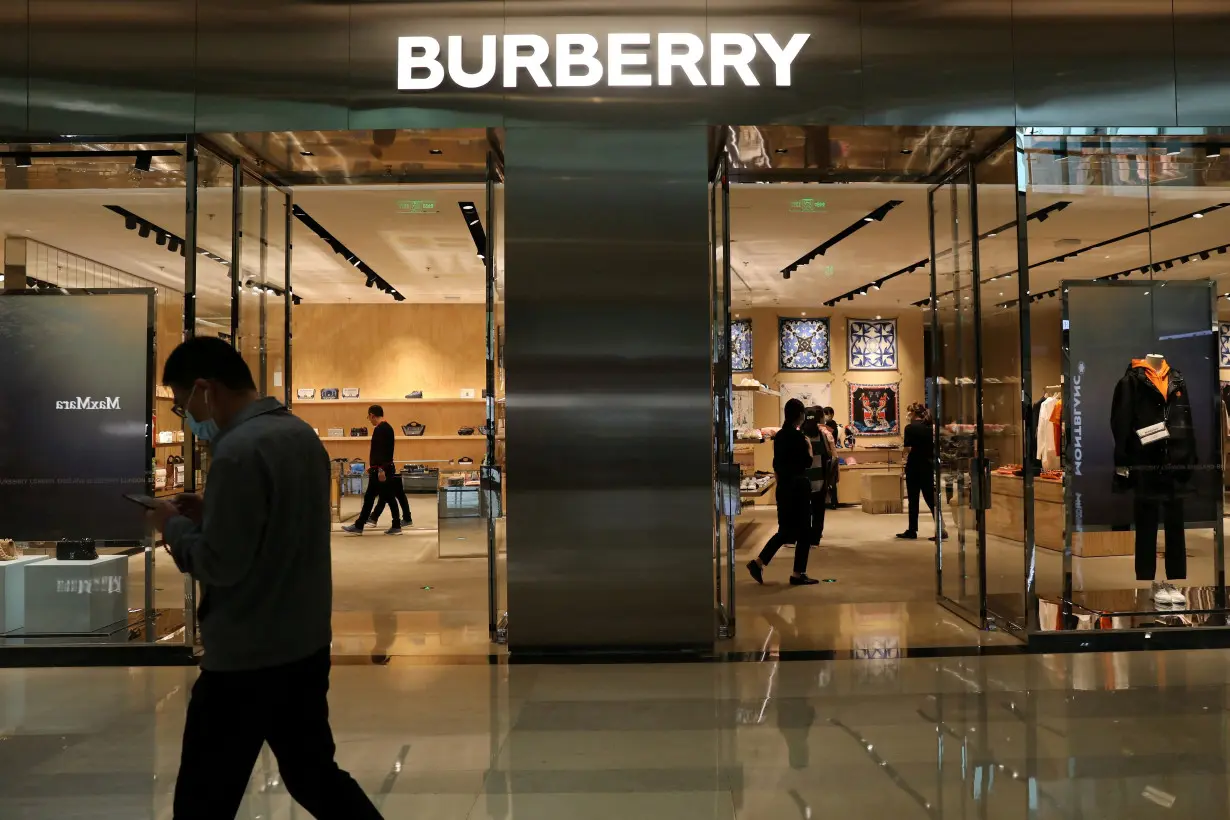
(610, 503)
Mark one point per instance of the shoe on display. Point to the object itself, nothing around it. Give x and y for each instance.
(908, 535)
(393, 531)
(1164, 594)
(415, 394)
(802, 581)
(465, 461)
(756, 571)
(1176, 597)
(352, 529)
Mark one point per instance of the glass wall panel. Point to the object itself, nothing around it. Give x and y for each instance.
(1126, 353)
(81, 421)
(1004, 428)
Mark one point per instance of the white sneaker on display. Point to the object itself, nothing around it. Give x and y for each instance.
(1166, 595)
(1177, 598)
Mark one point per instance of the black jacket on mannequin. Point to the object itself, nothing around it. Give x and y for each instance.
(1137, 404)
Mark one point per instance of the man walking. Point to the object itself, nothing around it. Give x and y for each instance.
(258, 543)
(381, 474)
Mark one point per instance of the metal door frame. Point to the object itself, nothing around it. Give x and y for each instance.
(725, 483)
(962, 174)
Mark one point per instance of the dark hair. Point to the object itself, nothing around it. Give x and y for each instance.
(830, 411)
(795, 411)
(207, 357)
(376, 410)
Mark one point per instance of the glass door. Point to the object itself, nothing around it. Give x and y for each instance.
(961, 475)
(725, 471)
(493, 463)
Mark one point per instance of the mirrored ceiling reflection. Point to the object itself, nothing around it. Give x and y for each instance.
(107, 165)
(851, 153)
(365, 157)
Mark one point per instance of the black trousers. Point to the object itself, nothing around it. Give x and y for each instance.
(921, 482)
(1147, 516)
(819, 504)
(232, 714)
(801, 551)
(399, 492)
(382, 491)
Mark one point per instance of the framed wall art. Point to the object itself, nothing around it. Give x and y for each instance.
(741, 357)
(872, 344)
(804, 344)
(875, 409)
(1224, 329)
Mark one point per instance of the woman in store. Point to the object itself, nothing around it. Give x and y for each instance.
(791, 461)
(823, 468)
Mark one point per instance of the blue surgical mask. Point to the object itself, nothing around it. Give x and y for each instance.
(203, 430)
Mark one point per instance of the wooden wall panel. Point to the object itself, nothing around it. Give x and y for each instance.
(388, 350)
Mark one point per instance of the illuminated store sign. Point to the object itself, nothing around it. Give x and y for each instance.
(577, 64)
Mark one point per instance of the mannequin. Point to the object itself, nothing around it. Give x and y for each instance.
(1151, 421)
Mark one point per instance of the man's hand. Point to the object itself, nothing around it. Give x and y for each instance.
(160, 515)
(191, 506)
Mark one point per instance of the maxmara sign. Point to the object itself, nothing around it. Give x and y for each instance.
(522, 59)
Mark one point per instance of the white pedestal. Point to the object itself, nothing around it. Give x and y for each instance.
(76, 596)
(13, 592)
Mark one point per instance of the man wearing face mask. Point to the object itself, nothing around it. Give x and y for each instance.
(258, 544)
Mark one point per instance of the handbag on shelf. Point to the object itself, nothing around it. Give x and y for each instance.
(414, 429)
(328, 392)
(8, 550)
(336, 432)
(350, 392)
(358, 432)
(466, 431)
(305, 393)
(81, 549)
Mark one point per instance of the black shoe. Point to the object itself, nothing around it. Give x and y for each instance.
(757, 572)
(908, 535)
(802, 581)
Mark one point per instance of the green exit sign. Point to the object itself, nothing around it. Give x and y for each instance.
(807, 205)
(416, 206)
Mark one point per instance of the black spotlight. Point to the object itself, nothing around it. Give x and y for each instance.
(1204, 256)
(161, 238)
(143, 162)
(398, 297)
(145, 230)
(371, 280)
(130, 222)
(174, 243)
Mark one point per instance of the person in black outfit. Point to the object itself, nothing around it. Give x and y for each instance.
(830, 423)
(791, 461)
(823, 465)
(382, 475)
(919, 440)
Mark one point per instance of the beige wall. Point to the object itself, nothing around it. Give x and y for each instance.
(387, 350)
(910, 372)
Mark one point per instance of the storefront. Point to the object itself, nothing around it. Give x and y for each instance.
(612, 271)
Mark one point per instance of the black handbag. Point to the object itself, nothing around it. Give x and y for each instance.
(328, 392)
(466, 431)
(414, 429)
(81, 549)
(358, 432)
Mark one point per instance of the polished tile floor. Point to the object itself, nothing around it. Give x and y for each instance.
(1142, 735)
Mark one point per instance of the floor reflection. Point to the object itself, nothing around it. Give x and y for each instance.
(1138, 735)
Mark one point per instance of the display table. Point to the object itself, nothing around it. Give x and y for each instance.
(76, 596)
(882, 493)
(1006, 519)
(13, 592)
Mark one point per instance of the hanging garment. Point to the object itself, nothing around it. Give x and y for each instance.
(1048, 446)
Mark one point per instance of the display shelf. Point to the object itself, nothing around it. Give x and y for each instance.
(301, 402)
(761, 493)
(169, 444)
(453, 437)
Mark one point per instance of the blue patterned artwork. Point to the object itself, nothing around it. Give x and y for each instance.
(803, 344)
(1225, 344)
(741, 345)
(872, 344)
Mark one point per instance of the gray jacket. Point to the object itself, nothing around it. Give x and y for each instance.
(261, 554)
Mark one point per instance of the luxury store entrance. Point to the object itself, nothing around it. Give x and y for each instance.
(352, 270)
(1027, 312)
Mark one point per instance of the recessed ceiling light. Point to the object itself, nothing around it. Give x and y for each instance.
(907, 150)
(868, 219)
(306, 154)
(1197, 216)
(1174, 153)
(436, 151)
(782, 151)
